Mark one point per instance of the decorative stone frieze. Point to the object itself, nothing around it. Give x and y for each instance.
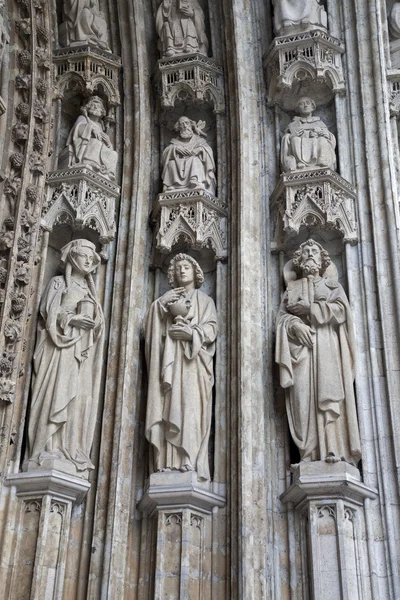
(315, 198)
(182, 509)
(196, 216)
(310, 60)
(84, 68)
(81, 198)
(193, 78)
(328, 499)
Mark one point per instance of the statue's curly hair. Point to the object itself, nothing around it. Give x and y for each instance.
(97, 100)
(198, 272)
(296, 259)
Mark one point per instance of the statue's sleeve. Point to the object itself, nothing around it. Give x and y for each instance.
(206, 330)
(283, 353)
(332, 310)
(54, 316)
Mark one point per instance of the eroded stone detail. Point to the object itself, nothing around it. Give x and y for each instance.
(316, 352)
(83, 22)
(67, 366)
(180, 332)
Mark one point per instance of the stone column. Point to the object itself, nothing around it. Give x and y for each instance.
(329, 502)
(43, 523)
(183, 509)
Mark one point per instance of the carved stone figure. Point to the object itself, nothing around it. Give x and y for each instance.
(181, 29)
(180, 333)
(294, 15)
(188, 161)
(83, 22)
(67, 363)
(88, 144)
(315, 350)
(394, 20)
(307, 143)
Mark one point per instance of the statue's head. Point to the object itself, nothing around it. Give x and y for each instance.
(185, 127)
(95, 106)
(305, 106)
(81, 255)
(183, 269)
(310, 259)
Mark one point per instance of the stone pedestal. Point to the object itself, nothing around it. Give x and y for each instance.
(194, 77)
(182, 508)
(315, 198)
(43, 522)
(196, 216)
(80, 198)
(329, 502)
(310, 59)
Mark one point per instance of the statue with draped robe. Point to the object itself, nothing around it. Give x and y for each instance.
(83, 22)
(307, 142)
(67, 366)
(316, 353)
(291, 16)
(188, 161)
(180, 27)
(180, 334)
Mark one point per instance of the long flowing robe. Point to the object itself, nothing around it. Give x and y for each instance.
(178, 33)
(305, 150)
(318, 381)
(186, 172)
(180, 373)
(67, 372)
(86, 147)
(83, 22)
(297, 12)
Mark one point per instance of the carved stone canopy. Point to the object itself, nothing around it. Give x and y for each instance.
(194, 78)
(80, 198)
(310, 60)
(317, 198)
(196, 216)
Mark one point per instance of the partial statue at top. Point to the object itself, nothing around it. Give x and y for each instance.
(67, 366)
(180, 334)
(307, 143)
(316, 350)
(83, 22)
(293, 16)
(88, 144)
(188, 161)
(180, 26)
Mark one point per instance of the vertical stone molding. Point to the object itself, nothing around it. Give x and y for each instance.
(329, 502)
(182, 508)
(43, 524)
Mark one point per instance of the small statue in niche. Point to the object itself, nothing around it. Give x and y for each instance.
(67, 364)
(180, 334)
(291, 16)
(315, 350)
(88, 144)
(307, 143)
(83, 22)
(181, 29)
(188, 161)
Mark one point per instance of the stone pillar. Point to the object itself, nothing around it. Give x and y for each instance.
(43, 523)
(183, 508)
(329, 501)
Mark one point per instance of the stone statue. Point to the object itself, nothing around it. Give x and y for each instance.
(83, 22)
(315, 350)
(307, 143)
(67, 365)
(188, 161)
(180, 333)
(292, 16)
(88, 144)
(394, 20)
(180, 26)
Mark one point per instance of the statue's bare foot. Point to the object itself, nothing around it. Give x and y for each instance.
(187, 467)
(331, 458)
